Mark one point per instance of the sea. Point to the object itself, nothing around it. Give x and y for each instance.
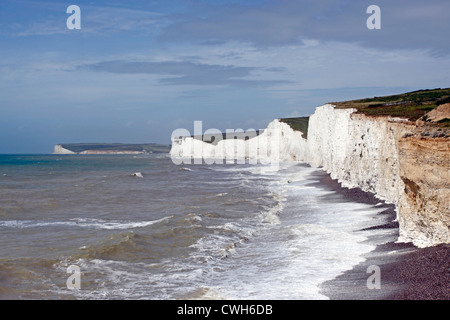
(128, 227)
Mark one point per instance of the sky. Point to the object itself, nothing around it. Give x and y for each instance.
(137, 70)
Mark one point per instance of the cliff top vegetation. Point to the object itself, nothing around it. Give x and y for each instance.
(411, 105)
(299, 124)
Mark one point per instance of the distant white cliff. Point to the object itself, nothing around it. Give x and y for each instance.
(279, 142)
(60, 150)
(376, 154)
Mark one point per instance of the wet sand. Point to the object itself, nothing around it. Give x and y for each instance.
(406, 272)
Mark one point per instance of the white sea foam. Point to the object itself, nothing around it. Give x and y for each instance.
(312, 241)
(137, 174)
(115, 225)
(81, 222)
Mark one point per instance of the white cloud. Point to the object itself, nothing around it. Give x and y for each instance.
(50, 19)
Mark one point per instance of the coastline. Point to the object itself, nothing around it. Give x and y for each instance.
(406, 271)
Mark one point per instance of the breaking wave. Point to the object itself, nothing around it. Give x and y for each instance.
(82, 223)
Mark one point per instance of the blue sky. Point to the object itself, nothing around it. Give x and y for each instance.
(137, 70)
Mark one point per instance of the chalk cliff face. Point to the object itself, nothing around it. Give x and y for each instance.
(424, 209)
(60, 150)
(279, 142)
(371, 153)
(358, 150)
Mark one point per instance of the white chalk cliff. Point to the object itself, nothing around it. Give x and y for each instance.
(60, 150)
(375, 154)
(372, 153)
(277, 143)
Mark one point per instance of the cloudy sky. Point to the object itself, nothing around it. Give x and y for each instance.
(139, 69)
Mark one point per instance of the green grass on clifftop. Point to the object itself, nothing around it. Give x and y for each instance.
(299, 124)
(411, 105)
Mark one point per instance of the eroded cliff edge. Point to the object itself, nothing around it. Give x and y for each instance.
(392, 157)
(388, 157)
(424, 206)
